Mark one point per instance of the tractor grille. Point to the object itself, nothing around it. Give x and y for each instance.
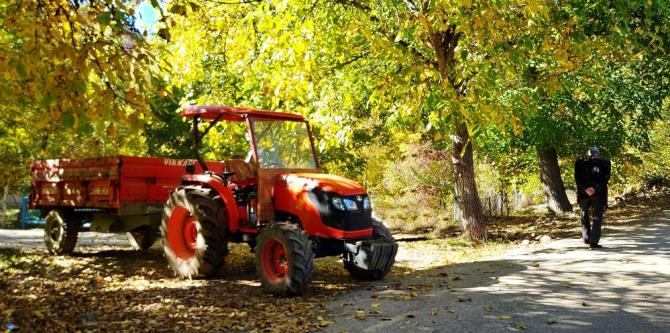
(349, 221)
(337, 219)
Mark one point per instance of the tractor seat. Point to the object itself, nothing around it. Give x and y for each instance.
(245, 174)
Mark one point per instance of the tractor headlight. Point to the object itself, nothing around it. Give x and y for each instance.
(337, 202)
(350, 204)
(366, 203)
(344, 204)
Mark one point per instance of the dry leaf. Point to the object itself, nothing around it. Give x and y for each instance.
(520, 326)
(361, 315)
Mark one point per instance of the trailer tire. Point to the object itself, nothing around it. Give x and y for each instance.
(284, 259)
(60, 231)
(142, 238)
(194, 232)
(379, 230)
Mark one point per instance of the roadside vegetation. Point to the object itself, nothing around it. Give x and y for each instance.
(9, 218)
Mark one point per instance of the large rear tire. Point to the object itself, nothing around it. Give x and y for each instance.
(284, 259)
(194, 232)
(379, 231)
(61, 231)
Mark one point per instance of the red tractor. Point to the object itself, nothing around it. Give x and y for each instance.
(277, 201)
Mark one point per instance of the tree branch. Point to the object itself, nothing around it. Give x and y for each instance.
(411, 5)
(401, 43)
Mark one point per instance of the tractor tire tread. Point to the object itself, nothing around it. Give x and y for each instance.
(211, 214)
(379, 230)
(300, 248)
(70, 233)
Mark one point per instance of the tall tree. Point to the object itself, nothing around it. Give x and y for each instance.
(463, 55)
(435, 67)
(585, 94)
(76, 62)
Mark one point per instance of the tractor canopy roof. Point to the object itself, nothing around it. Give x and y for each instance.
(234, 113)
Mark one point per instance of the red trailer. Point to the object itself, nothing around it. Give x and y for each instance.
(116, 194)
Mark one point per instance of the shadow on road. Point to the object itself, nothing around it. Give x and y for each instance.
(565, 287)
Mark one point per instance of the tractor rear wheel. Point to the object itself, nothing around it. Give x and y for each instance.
(284, 259)
(142, 238)
(61, 231)
(194, 232)
(379, 231)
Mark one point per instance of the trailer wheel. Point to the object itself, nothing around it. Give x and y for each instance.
(61, 231)
(142, 238)
(379, 231)
(194, 232)
(284, 259)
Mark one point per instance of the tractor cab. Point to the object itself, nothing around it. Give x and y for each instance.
(280, 174)
(277, 200)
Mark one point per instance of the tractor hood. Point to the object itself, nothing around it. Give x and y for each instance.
(329, 183)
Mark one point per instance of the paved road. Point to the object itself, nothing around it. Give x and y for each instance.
(563, 287)
(34, 239)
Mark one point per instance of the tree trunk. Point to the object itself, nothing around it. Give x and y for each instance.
(552, 184)
(469, 205)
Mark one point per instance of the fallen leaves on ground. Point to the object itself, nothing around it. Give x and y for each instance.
(121, 290)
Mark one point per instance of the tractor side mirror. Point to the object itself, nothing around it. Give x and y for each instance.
(190, 168)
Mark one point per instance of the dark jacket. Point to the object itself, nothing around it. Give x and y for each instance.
(592, 172)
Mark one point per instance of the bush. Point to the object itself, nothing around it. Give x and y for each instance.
(414, 191)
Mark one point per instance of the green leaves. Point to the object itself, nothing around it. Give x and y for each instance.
(75, 56)
(21, 70)
(105, 18)
(67, 119)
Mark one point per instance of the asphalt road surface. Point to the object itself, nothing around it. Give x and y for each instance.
(86, 241)
(562, 287)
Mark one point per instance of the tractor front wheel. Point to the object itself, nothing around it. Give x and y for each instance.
(379, 231)
(284, 259)
(194, 232)
(61, 231)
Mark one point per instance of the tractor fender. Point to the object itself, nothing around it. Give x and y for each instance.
(223, 191)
